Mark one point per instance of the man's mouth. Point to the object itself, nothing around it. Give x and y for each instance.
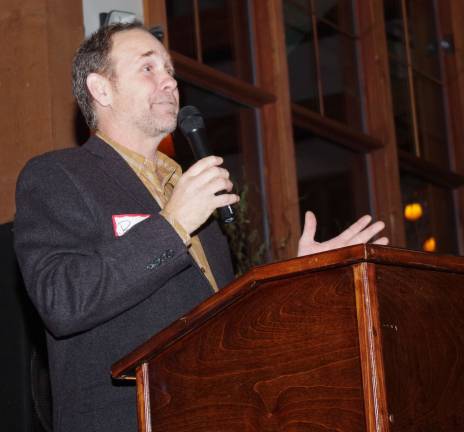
(165, 103)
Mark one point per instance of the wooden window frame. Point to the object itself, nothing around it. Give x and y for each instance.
(271, 94)
(271, 75)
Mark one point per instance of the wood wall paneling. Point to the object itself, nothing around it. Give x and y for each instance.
(37, 113)
(65, 33)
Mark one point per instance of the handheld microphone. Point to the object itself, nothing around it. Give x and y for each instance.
(192, 127)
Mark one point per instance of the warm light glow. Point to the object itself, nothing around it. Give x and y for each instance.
(430, 245)
(413, 211)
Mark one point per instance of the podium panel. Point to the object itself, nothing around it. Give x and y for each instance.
(288, 363)
(422, 316)
(365, 338)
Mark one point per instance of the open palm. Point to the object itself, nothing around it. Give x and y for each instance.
(360, 232)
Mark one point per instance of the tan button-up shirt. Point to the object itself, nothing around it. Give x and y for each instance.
(160, 178)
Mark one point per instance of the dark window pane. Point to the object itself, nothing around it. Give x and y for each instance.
(423, 37)
(422, 33)
(433, 221)
(232, 134)
(339, 75)
(181, 25)
(431, 120)
(225, 38)
(337, 12)
(394, 27)
(402, 106)
(332, 182)
(299, 39)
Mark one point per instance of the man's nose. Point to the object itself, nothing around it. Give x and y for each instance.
(169, 82)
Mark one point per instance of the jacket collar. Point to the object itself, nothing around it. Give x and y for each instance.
(122, 174)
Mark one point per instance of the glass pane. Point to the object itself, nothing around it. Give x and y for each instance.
(431, 121)
(429, 216)
(181, 25)
(332, 182)
(394, 27)
(225, 39)
(337, 12)
(232, 134)
(339, 75)
(423, 37)
(299, 38)
(402, 106)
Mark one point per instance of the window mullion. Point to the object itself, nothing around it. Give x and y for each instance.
(320, 90)
(196, 14)
(412, 97)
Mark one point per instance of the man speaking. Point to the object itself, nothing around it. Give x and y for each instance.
(113, 241)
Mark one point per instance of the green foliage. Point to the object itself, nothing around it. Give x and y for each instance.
(245, 243)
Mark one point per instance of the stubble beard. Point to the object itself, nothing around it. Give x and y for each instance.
(154, 125)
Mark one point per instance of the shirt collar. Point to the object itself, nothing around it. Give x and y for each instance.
(167, 170)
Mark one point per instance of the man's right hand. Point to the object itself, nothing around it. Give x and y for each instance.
(194, 198)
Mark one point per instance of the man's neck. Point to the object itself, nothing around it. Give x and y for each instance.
(141, 144)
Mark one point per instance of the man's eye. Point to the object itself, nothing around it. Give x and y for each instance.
(147, 68)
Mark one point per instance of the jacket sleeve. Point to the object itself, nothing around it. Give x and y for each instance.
(77, 278)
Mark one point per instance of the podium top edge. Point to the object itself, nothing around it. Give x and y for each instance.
(367, 253)
(240, 287)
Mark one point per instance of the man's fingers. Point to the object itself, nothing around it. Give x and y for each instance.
(217, 184)
(194, 197)
(369, 232)
(210, 175)
(223, 200)
(207, 177)
(203, 164)
(355, 229)
(382, 241)
(309, 229)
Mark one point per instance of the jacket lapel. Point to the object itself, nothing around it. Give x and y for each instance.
(122, 174)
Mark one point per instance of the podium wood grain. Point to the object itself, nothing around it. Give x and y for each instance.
(361, 339)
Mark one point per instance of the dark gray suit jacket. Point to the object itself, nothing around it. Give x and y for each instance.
(100, 295)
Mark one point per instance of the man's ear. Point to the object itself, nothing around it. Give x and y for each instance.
(100, 88)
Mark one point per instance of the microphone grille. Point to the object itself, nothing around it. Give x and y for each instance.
(189, 119)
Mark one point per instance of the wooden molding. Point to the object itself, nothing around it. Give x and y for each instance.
(219, 82)
(455, 83)
(385, 182)
(154, 13)
(370, 348)
(333, 130)
(429, 171)
(279, 153)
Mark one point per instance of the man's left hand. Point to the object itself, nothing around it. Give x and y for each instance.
(359, 232)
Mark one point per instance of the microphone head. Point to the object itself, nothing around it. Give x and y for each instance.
(189, 119)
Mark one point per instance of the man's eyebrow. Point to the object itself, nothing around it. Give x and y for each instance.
(147, 54)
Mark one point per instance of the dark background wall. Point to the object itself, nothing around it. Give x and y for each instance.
(22, 353)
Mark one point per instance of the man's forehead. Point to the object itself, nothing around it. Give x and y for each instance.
(137, 43)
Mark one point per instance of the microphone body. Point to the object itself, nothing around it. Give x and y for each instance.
(193, 128)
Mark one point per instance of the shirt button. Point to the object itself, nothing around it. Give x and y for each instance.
(203, 269)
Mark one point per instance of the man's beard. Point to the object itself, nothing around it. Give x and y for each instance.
(154, 126)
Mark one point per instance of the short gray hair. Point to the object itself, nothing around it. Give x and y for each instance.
(93, 56)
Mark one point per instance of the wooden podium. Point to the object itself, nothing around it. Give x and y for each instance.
(364, 338)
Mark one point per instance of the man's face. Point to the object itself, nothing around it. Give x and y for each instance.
(145, 94)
